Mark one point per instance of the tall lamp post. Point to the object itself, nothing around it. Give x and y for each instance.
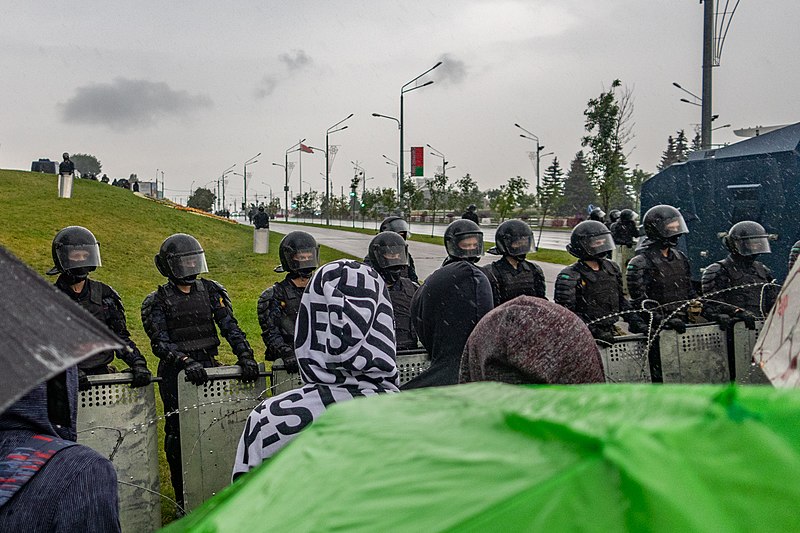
(332, 129)
(250, 161)
(222, 179)
(539, 147)
(403, 90)
(285, 166)
(397, 169)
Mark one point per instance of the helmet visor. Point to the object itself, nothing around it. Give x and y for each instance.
(391, 256)
(671, 227)
(519, 244)
(467, 245)
(595, 245)
(753, 245)
(190, 264)
(399, 226)
(304, 258)
(79, 255)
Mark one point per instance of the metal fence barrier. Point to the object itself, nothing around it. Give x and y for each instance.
(212, 417)
(410, 363)
(119, 422)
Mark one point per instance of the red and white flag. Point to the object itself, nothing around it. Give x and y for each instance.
(304, 148)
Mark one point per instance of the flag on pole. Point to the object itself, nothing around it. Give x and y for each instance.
(417, 160)
(304, 148)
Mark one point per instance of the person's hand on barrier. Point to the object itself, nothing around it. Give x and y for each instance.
(83, 381)
(603, 336)
(675, 323)
(724, 321)
(748, 319)
(637, 325)
(290, 364)
(194, 371)
(141, 375)
(249, 367)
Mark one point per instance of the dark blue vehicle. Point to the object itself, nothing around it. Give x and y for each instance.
(756, 179)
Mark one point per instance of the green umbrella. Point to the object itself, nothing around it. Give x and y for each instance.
(489, 456)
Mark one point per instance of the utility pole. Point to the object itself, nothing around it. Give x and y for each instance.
(708, 64)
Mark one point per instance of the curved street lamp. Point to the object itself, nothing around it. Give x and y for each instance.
(250, 161)
(332, 129)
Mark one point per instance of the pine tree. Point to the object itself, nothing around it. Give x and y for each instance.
(578, 192)
(696, 141)
(681, 146)
(551, 191)
(669, 156)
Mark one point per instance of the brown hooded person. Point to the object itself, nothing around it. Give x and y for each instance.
(529, 340)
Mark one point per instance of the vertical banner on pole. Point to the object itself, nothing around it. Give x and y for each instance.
(417, 160)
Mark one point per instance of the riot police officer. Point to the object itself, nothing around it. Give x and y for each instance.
(261, 219)
(745, 241)
(471, 213)
(278, 305)
(180, 317)
(795, 251)
(66, 167)
(625, 233)
(400, 226)
(592, 287)
(613, 216)
(595, 213)
(76, 253)
(661, 272)
(513, 275)
(388, 254)
(463, 241)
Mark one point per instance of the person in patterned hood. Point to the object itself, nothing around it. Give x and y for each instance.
(345, 347)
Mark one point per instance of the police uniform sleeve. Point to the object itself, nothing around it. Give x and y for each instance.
(539, 284)
(412, 270)
(636, 275)
(276, 346)
(487, 270)
(566, 288)
(115, 319)
(223, 315)
(154, 321)
(714, 279)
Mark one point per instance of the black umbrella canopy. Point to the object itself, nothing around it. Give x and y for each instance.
(42, 332)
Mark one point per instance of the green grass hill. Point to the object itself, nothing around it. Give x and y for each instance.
(130, 230)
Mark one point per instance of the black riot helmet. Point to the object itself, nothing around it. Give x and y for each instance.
(65, 155)
(590, 239)
(75, 252)
(299, 254)
(514, 238)
(388, 250)
(472, 207)
(613, 215)
(597, 214)
(397, 225)
(463, 240)
(181, 258)
(664, 224)
(628, 215)
(747, 238)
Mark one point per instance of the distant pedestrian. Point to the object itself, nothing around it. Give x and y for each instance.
(135, 186)
(261, 219)
(470, 214)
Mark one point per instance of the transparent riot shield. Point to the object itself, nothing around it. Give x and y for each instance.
(747, 371)
(698, 356)
(626, 360)
(119, 422)
(212, 417)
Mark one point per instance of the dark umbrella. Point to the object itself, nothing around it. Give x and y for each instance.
(42, 332)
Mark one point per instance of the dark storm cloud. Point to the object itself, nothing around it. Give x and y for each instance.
(295, 60)
(266, 87)
(125, 104)
(452, 70)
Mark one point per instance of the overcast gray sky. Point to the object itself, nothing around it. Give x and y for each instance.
(194, 87)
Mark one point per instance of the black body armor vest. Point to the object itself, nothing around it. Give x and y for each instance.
(670, 281)
(748, 298)
(400, 295)
(190, 320)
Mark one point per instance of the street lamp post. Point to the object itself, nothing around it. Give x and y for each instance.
(285, 166)
(539, 148)
(332, 129)
(403, 90)
(397, 169)
(222, 178)
(250, 161)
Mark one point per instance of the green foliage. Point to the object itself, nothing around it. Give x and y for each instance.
(203, 199)
(578, 189)
(437, 191)
(677, 150)
(607, 131)
(412, 196)
(509, 197)
(86, 164)
(638, 177)
(307, 203)
(465, 192)
(379, 201)
(274, 206)
(552, 188)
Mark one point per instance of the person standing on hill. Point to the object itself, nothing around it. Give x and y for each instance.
(66, 167)
(181, 318)
(261, 219)
(76, 253)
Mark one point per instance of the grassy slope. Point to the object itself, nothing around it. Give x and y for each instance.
(544, 255)
(130, 230)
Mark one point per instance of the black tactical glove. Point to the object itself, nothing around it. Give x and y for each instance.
(194, 370)
(83, 381)
(141, 375)
(676, 324)
(724, 321)
(290, 363)
(748, 319)
(603, 336)
(249, 367)
(637, 325)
